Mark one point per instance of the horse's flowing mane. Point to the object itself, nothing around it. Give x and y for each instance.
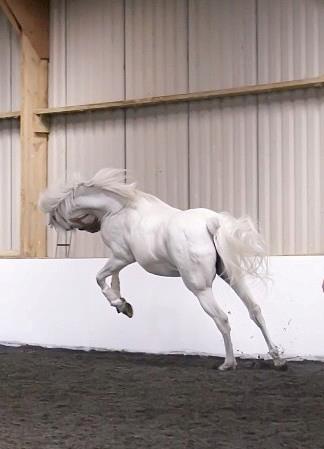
(108, 179)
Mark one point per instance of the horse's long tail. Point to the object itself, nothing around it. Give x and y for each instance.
(240, 247)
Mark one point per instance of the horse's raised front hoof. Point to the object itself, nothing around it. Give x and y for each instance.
(128, 310)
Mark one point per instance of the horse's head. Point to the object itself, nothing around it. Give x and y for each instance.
(62, 214)
(86, 222)
(82, 204)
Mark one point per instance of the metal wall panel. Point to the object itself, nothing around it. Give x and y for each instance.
(95, 57)
(94, 72)
(86, 51)
(94, 141)
(222, 43)
(9, 137)
(57, 157)
(223, 145)
(156, 47)
(85, 69)
(223, 155)
(291, 142)
(157, 151)
(15, 185)
(57, 63)
(5, 184)
(290, 39)
(9, 67)
(56, 174)
(15, 140)
(5, 66)
(156, 64)
(290, 46)
(5, 135)
(9, 185)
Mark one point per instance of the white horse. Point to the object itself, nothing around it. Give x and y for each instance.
(195, 244)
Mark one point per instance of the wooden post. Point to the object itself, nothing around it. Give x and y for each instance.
(33, 150)
(30, 18)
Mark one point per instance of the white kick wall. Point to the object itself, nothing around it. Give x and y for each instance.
(257, 155)
(58, 303)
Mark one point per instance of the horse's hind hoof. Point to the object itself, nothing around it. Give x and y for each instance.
(280, 365)
(226, 366)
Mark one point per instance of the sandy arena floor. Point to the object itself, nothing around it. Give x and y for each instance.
(78, 400)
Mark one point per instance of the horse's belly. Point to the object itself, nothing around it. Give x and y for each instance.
(161, 269)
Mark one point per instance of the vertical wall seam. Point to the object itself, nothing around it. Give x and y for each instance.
(65, 101)
(65, 81)
(11, 141)
(188, 105)
(257, 116)
(125, 91)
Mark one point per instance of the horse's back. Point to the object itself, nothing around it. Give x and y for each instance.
(193, 221)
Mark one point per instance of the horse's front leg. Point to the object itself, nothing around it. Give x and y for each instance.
(112, 293)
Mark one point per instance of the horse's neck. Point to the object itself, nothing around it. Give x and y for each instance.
(99, 203)
(153, 201)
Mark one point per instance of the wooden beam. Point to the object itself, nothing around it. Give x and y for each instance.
(8, 254)
(193, 96)
(10, 16)
(33, 152)
(9, 115)
(31, 17)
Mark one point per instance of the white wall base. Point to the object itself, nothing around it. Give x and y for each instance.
(57, 303)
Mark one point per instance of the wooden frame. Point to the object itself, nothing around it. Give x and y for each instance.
(187, 97)
(283, 86)
(30, 19)
(33, 152)
(9, 115)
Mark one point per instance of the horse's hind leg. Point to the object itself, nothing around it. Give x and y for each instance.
(255, 313)
(210, 306)
(203, 291)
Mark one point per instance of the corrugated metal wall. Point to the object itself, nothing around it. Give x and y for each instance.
(85, 69)
(223, 155)
(291, 161)
(222, 43)
(290, 39)
(9, 138)
(247, 155)
(223, 144)
(290, 138)
(156, 37)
